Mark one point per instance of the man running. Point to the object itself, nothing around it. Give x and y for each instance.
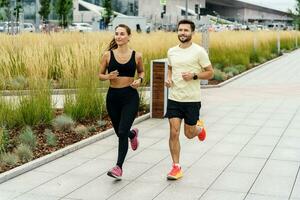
(187, 64)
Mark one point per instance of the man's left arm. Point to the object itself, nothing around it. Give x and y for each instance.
(207, 74)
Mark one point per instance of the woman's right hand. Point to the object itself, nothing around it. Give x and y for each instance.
(112, 75)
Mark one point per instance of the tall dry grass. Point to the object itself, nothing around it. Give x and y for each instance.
(63, 57)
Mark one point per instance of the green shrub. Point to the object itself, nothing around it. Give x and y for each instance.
(101, 123)
(24, 153)
(88, 102)
(36, 108)
(81, 130)
(9, 159)
(231, 71)
(63, 123)
(92, 129)
(218, 66)
(219, 75)
(18, 83)
(4, 140)
(28, 137)
(240, 68)
(51, 138)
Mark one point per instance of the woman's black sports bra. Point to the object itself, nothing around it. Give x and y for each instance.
(126, 69)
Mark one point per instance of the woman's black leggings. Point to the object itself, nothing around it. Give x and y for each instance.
(122, 106)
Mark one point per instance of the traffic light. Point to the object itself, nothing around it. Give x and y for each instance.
(197, 8)
(164, 9)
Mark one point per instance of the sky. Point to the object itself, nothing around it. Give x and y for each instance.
(282, 5)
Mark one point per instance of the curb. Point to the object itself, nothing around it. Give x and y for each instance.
(62, 152)
(242, 74)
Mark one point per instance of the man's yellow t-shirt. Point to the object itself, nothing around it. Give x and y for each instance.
(192, 59)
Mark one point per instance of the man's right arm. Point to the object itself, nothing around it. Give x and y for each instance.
(169, 82)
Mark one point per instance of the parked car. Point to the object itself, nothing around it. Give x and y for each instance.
(28, 27)
(16, 27)
(80, 27)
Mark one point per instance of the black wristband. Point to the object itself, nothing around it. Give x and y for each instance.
(141, 79)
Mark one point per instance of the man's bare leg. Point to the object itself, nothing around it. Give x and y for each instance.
(174, 143)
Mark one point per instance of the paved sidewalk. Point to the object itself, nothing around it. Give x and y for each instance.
(252, 151)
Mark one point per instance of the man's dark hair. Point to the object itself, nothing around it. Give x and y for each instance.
(186, 21)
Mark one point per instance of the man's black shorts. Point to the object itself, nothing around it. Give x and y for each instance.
(189, 111)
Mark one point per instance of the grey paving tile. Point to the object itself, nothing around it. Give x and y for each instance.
(155, 133)
(271, 131)
(292, 132)
(61, 186)
(100, 188)
(214, 162)
(222, 195)
(246, 165)
(280, 168)
(62, 164)
(252, 122)
(149, 156)
(36, 197)
(296, 189)
(294, 125)
(226, 149)
(132, 170)
(26, 181)
(234, 181)
(157, 173)
(273, 185)
(264, 140)
(237, 139)
(287, 115)
(148, 142)
(7, 195)
(277, 123)
(141, 190)
(264, 197)
(93, 151)
(176, 192)
(290, 142)
(92, 168)
(256, 151)
(244, 129)
(196, 147)
(230, 121)
(259, 115)
(289, 154)
(198, 177)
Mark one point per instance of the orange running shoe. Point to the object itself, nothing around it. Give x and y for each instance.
(202, 133)
(175, 173)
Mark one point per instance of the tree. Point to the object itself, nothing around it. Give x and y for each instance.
(5, 4)
(296, 14)
(17, 10)
(64, 10)
(108, 12)
(297, 21)
(45, 9)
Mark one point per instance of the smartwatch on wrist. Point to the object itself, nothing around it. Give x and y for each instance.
(195, 77)
(141, 79)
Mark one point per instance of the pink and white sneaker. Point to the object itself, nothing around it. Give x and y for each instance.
(134, 142)
(116, 172)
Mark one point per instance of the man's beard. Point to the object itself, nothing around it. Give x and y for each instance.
(186, 38)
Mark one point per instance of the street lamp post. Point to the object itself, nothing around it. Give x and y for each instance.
(186, 9)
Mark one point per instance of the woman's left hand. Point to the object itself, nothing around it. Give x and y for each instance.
(136, 83)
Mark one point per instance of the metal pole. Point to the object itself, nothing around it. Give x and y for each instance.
(186, 9)
(278, 41)
(37, 17)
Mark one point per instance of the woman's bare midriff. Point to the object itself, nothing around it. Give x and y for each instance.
(121, 82)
